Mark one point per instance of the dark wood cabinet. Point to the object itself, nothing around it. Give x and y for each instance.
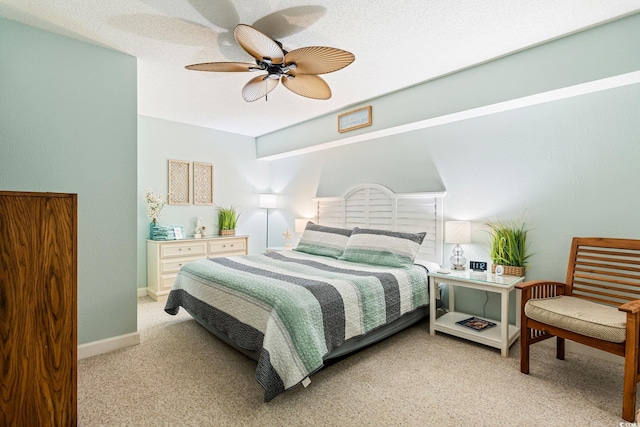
(38, 309)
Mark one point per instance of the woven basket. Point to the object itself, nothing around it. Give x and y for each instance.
(227, 232)
(510, 270)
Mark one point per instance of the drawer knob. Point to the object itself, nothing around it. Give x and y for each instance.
(180, 249)
(189, 248)
(179, 265)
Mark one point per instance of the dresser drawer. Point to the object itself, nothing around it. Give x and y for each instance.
(230, 246)
(182, 250)
(173, 265)
(166, 282)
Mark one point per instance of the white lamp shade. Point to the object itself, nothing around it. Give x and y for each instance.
(268, 201)
(301, 224)
(457, 232)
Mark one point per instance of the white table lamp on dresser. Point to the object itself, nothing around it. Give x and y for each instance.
(458, 232)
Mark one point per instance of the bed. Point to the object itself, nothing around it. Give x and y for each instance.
(346, 285)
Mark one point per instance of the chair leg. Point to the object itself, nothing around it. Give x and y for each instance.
(560, 348)
(525, 334)
(631, 368)
(630, 388)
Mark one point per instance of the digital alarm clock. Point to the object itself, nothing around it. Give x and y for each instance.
(478, 265)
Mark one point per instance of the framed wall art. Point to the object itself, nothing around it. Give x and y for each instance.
(202, 183)
(355, 119)
(179, 180)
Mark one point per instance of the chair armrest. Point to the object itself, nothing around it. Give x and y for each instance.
(540, 289)
(631, 307)
(536, 283)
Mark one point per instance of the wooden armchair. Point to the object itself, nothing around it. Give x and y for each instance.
(598, 306)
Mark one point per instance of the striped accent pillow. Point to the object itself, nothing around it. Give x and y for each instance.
(381, 247)
(321, 240)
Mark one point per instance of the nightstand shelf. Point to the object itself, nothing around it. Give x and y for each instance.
(491, 336)
(501, 336)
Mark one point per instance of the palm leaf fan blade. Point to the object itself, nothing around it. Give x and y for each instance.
(318, 59)
(309, 86)
(222, 66)
(258, 45)
(258, 87)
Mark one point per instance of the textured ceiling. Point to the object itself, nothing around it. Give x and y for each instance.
(396, 44)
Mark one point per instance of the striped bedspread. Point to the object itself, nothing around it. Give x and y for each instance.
(294, 308)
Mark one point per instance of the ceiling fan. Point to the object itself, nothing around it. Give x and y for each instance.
(297, 69)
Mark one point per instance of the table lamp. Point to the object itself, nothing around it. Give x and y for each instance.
(458, 232)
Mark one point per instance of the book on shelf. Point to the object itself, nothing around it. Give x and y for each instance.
(476, 323)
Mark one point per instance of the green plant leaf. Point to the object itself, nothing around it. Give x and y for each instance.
(508, 244)
(227, 218)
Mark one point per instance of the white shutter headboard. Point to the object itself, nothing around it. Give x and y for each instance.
(375, 206)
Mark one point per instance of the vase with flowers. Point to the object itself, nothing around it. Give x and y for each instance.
(155, 204)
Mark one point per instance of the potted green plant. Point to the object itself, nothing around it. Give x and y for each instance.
(227, 220)
(508, 246)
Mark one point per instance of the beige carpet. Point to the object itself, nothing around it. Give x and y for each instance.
(180, 375)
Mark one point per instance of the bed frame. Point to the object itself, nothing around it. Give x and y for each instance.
(349, 346)
(375, 206)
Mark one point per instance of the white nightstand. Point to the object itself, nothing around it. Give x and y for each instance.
(500, 336)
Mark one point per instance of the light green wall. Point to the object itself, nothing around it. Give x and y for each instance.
(68, 124)
(569, 166)
(600, 52)
(238, 179)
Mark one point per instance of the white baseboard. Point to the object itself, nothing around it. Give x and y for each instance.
(142, 292)
(110, 344)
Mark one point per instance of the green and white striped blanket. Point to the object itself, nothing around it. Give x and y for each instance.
(294, 308)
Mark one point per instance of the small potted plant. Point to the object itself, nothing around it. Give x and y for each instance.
(227, 220)
(508, 247)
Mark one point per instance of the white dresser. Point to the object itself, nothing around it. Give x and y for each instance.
(166, 257)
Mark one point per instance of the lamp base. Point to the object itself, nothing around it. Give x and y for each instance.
(458, 262)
